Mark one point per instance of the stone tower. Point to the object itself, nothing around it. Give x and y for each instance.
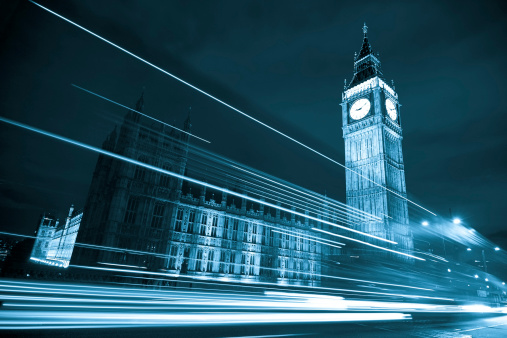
(375, 175)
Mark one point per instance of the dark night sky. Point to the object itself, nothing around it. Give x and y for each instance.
(283, 62)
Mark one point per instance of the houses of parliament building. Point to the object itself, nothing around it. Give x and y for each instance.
(143, 219)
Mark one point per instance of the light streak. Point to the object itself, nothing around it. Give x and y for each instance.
(345, 207)
(313, 240)
(226, 104)
(330, 205)
(267, 283)
(369, 244)
(231, 216)
(39, 320)
(123, 265)
(287, 232)
(295, 203)
(182, 177)
(138, 112)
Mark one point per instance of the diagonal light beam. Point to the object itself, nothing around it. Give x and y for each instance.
(138, 112)
(227, 105)
(182, 177)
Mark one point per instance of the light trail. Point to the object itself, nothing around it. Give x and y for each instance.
(266, 192)
(254, 222)
(57, 307)
(182, 177)
(347, 208)
(98, 247)
(138, 112)
(226, 104)
(204, 278)
(333, 209)
(313, 240)
(369, 244)
(52, 319)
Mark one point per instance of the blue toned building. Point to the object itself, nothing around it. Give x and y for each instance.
(375, 175)
(54, 243)
(148, 221)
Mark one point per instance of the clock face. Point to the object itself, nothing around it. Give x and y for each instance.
(359, 109)
(391, 109)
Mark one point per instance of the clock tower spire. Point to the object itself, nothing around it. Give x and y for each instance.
(375, 179)
(366, 64)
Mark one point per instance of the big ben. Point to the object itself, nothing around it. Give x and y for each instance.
(375, 175)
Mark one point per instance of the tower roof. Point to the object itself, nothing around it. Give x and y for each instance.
(366, 64)
(366, 48)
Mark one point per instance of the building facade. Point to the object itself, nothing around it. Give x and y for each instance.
(64, 239)
(44, 235)
(54, 243)
(375, 175)
(147, 220)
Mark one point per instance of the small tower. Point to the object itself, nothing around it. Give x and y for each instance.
(45, 233)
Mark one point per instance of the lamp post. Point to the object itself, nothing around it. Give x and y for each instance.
(484, 261)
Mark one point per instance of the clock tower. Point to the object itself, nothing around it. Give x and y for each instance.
(375, 175)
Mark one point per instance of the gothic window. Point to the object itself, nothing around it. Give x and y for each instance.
(204, 221)
(158, 216)
(173, 256)
(191, 220)
(284, 241)
(131, 213)
(214, 226)
(140, 172)
(232, 260)
(165, 179)
(245, 231)
(179, 214)
(143, 133)
(244, 258)
(198, 261)
(236, 234)
(211, 256)
(226, 228)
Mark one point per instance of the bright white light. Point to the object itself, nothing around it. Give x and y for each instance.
(497, 249)
(456, 221)
(469, 249)
(503, 283)
(425, 223)
(476, 308)
(476, 276)
(487, 280)
(448, 270)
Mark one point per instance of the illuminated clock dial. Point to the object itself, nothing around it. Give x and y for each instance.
(391, 109)
(359, 109)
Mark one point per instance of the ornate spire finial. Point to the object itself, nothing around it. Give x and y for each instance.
(365, 29)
